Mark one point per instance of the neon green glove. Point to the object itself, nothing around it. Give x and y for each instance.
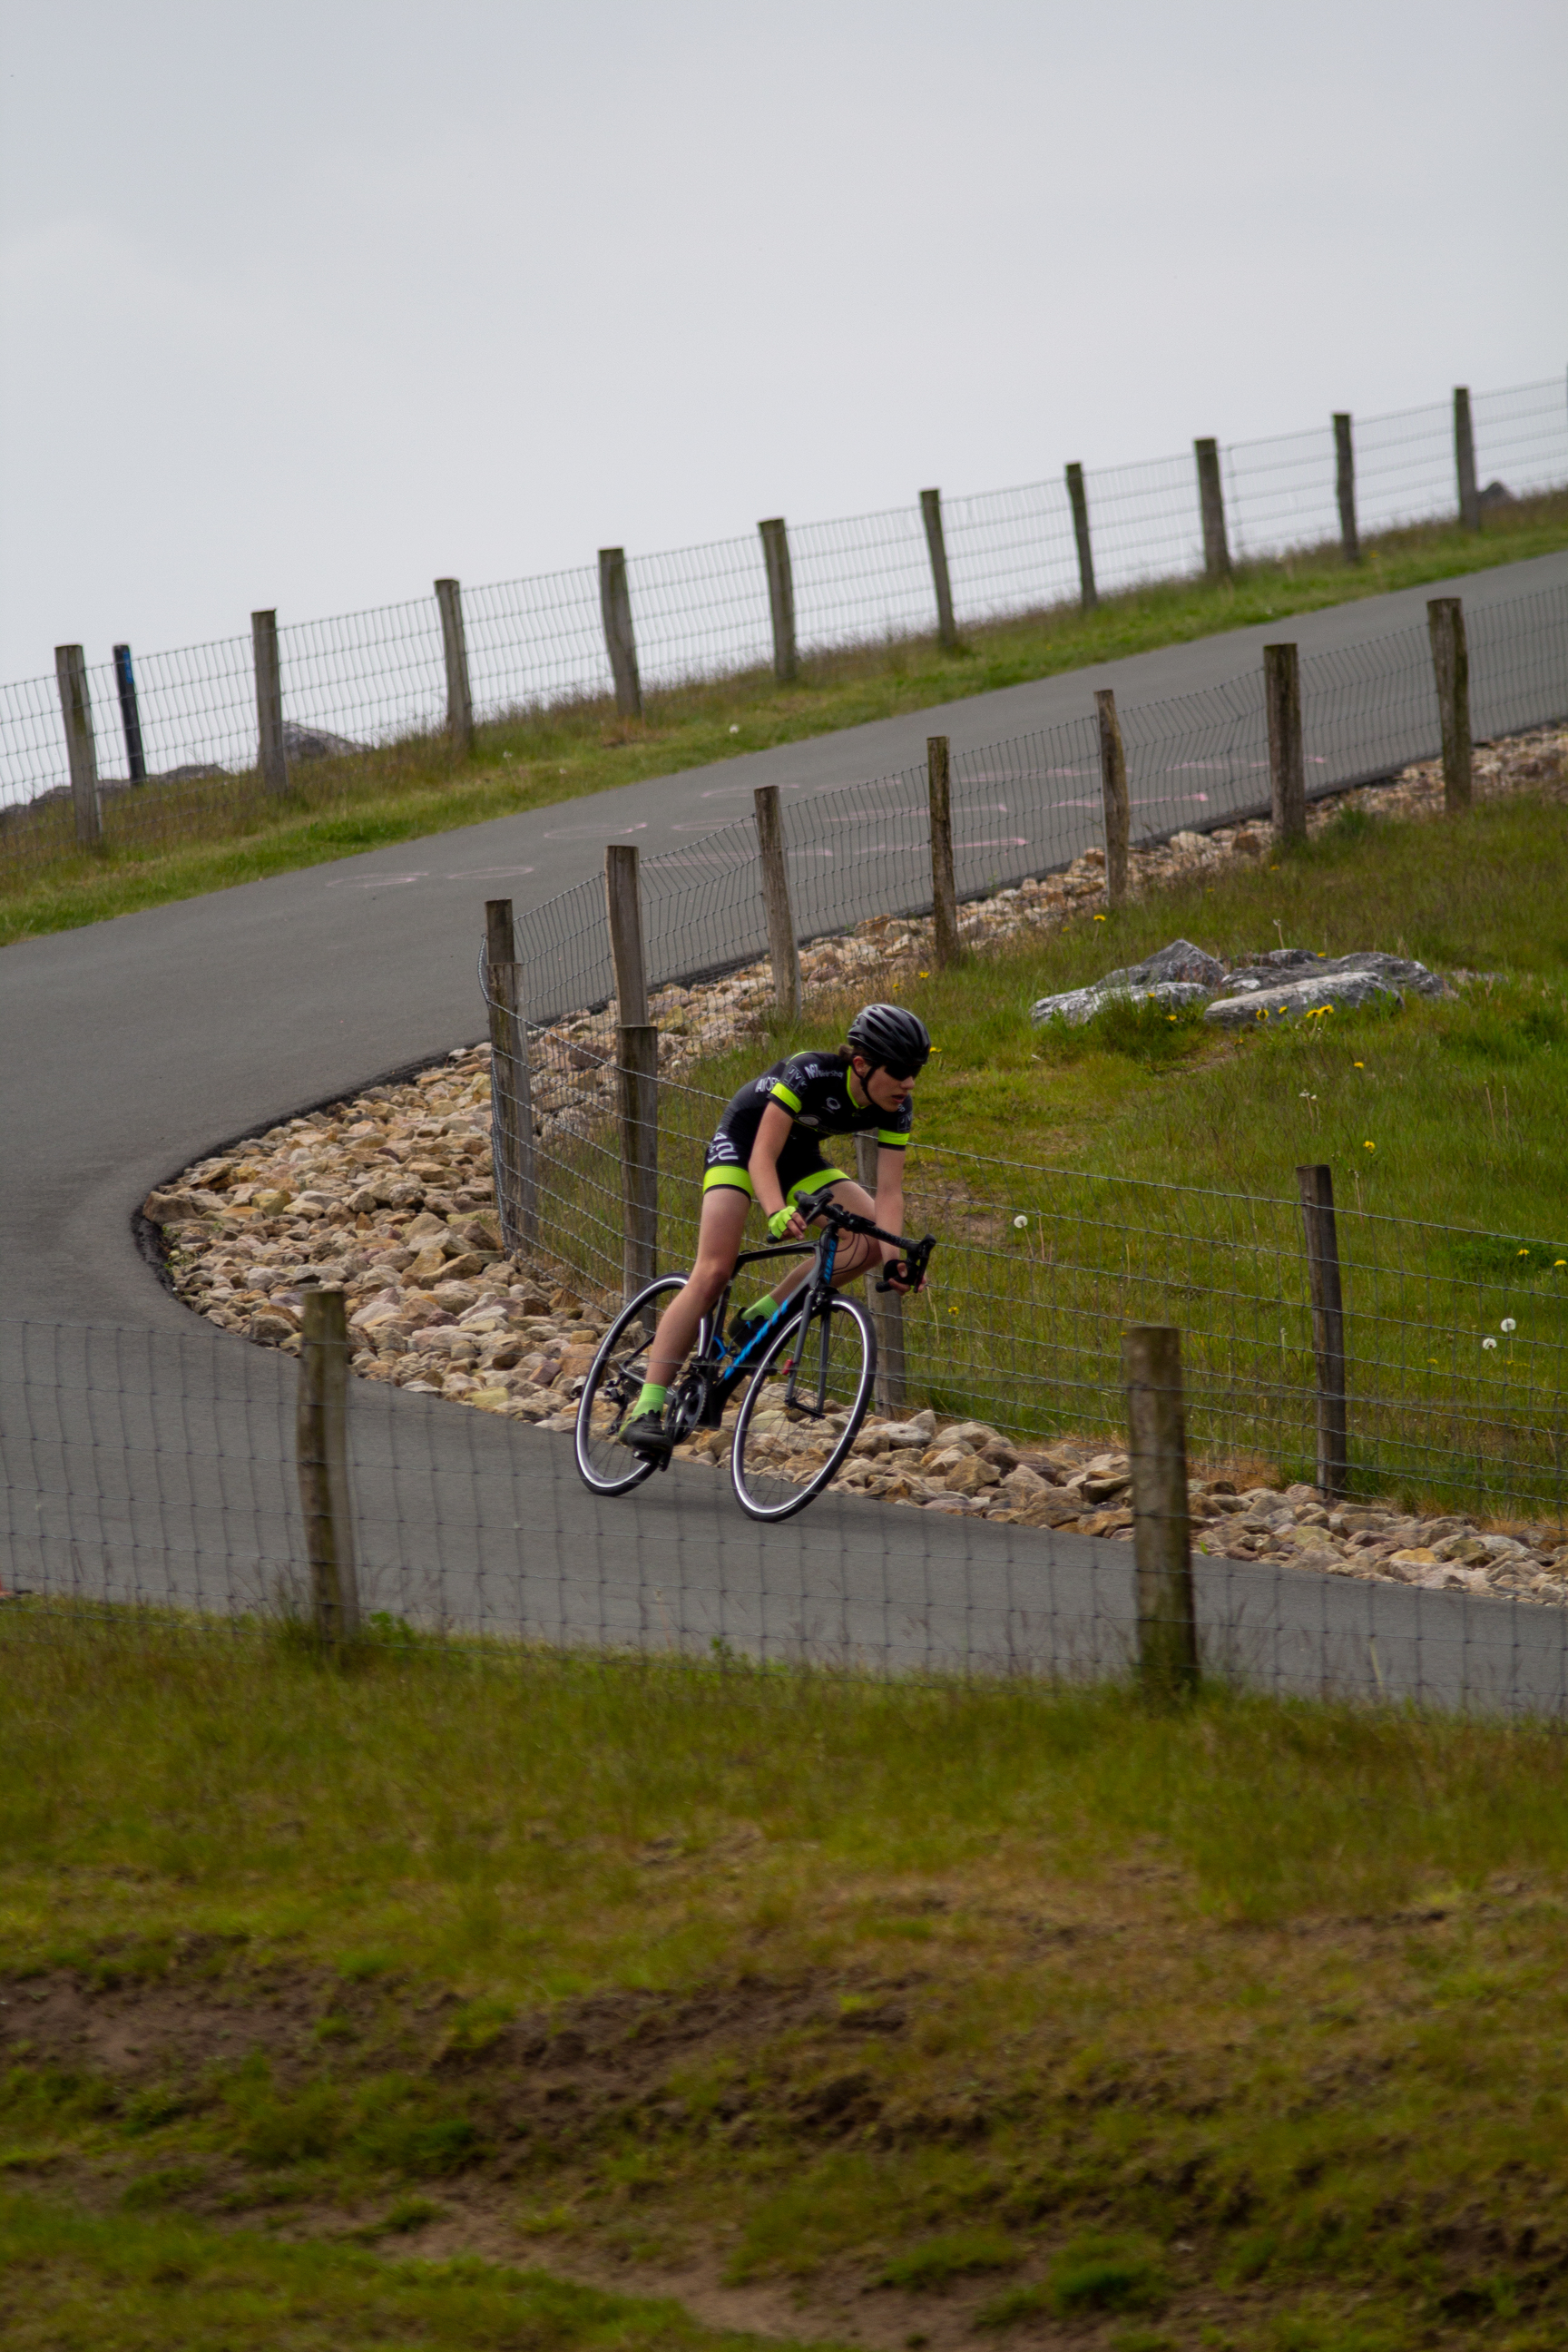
(780, 1222)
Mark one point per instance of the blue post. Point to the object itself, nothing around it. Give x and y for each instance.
(129, 715)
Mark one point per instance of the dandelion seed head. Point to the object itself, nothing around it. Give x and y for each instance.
(735, 730)
(1019, 1222)
(1509, 1323)
(1489, 1342)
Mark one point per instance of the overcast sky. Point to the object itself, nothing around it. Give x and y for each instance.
(305, 304)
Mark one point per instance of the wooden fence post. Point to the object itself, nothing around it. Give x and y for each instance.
(1161, 1534)
(620, 643)
(782, 944)
(512, 1091)
(322, 1451)
(943, 889)
(1451, 668)
(1344, 487)
(1113, 795)
(1465, 461)
(781, 596)
(623, 902)
(271, 758)
(1088, 595)
(1287, 764)
(130, 714)
(81, 745)
(886, 1306)
(936, 548)
(459, 699)
(636, 1052)
(636, 1059)
(1210, 500)
(1316, 1186)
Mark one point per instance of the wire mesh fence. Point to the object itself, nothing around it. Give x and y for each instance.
(1029, 806)
(159, 1472)
(1456, 1358)
(373, 679)
(1456, 1366)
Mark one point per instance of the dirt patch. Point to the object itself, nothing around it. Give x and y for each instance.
(600, 2139)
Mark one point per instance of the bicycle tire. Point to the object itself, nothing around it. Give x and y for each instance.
(844, 1332)
(603, 1464)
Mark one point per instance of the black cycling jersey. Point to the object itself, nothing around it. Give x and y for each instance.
(815, 1090)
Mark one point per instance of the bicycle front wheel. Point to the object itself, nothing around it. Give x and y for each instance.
(802, 1409)
(615, 1380)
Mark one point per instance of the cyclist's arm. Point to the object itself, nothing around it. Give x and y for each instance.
(889, 1211)
(763, 1165)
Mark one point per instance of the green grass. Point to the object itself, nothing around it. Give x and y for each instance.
(69, 2280)
(1254, 2011)
(1447, 1114)
(168, 843)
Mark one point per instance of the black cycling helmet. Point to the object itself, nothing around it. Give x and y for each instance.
(891, 1039)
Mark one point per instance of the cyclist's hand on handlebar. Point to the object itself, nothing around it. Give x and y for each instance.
(787, 1225)
(905, 1274)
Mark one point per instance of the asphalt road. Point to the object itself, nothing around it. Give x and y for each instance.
(130, 1048)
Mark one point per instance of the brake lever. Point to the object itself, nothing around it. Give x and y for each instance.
(909, 1271)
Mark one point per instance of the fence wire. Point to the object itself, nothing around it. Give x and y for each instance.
(369, 679)
(1029, 807)
(147, 1471)
(1042, 1268)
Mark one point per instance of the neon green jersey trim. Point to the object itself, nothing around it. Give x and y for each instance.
(892, 1139)
(780, 1094)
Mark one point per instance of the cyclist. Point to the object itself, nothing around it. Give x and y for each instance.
(765, 1149)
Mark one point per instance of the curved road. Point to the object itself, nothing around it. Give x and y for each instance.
(131, 1048)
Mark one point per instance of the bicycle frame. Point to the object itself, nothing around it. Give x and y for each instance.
(718, 1368)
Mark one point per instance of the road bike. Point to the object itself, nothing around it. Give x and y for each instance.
(808, 1370)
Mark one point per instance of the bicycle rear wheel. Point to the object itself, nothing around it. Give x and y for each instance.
(610, 1390)
(802, 1409)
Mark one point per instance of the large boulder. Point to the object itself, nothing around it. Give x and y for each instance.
(1279, 983)
(1280, 966)
(1288, 981)
(315, 742)
(1290, 1001)
(1179, 974)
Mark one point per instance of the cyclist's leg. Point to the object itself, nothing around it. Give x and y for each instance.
(857, 1253)
(726, 1198)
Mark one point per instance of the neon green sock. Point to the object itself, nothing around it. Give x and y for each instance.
(650, 1400)
(760, 1308)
